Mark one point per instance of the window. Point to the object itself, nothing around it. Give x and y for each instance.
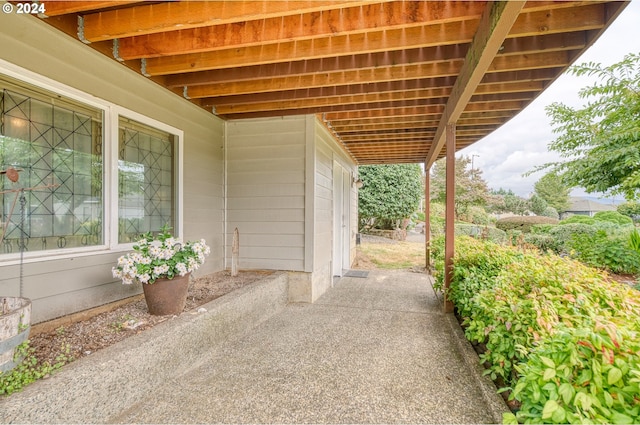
(146, 188)
(63, 146)
(57, 145)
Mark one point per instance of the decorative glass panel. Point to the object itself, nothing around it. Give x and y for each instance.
(57, 145)
(146, 183)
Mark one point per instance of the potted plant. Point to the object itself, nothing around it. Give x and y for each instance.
(162, 264)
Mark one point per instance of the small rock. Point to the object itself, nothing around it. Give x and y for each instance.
(202, 310)
(132, 324)
(86, 353)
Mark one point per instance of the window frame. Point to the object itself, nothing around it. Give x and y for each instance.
(111, 114)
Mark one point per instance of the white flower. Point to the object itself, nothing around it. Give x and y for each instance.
(182, 269)
(135, 266)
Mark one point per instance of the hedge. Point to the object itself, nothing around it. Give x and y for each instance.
(523, 223)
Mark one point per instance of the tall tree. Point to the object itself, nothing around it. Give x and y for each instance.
(552, 189)
(471, 189)
(600, 142)
(389, 193)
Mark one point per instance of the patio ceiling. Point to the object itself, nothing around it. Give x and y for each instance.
(386, 77)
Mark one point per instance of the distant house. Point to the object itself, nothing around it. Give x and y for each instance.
(584, 206)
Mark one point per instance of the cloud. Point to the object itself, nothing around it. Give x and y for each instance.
(521, 144)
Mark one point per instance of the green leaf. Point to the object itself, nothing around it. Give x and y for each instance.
(549, 374)
(621, 418)
(559, 415)
(549, 408)
(567, 392)
(509, 418)
(614, 375)
(608, 399)
(547, 362)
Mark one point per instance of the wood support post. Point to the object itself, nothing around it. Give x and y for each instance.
(235, 252)
(427, 223)
(449, 229)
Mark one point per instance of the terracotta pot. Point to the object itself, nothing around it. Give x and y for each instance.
(166, 296)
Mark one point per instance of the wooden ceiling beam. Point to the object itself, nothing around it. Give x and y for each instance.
(373, 41)
(434, 84)
(376, 75)
(549, 21)
(495, 25)
(334, 46)
(328, 101)
(185, 15)
(58, 7)
(389, 112)
(520, 46)
(388, 137)
(337, 108)
(349, 21)
(248, 103)
(416, 56)
(384, 127)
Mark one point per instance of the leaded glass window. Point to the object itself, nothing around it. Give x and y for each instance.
(146, 182)
(57, 143)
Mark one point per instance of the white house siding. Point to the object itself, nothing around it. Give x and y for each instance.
(265, 161)
(62, 286)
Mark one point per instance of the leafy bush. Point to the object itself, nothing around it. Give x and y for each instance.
(550, 212)
(563, 235)
(523, 223)
(613, 217)
(541, 241)
(542, 229)
(476, 215)
(390, 193)
(437, 209)
(561, 335)
(605, 251)
(437, 226)
(581, 219)
(630, 209)
(482, 232)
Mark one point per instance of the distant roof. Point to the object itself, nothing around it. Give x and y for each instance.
(582, 204)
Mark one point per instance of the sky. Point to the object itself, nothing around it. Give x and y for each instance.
(521, 144)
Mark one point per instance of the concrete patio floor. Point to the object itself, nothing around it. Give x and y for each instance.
(371, 350)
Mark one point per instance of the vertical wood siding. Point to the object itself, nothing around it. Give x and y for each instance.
(59, 287)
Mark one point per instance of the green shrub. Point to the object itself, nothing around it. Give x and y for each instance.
(437, 226)
(551, 212)
(563, 235)
(542, 229)
(613, 217)
(562, 336)
(541, 241)
(437, 209)
(476, 215)
(482, 232)
(630, 209)
(581, 219)
(523, 223)
(605, 251)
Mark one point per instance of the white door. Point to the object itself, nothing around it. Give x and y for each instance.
(346, 228)
(341, 200)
